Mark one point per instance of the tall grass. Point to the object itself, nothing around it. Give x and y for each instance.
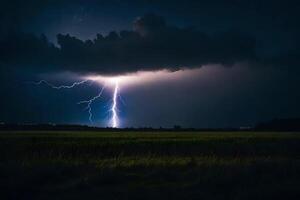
(77, 165)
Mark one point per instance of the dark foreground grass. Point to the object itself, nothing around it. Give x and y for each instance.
(91, 165)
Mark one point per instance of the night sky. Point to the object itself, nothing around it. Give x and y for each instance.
(227, 63)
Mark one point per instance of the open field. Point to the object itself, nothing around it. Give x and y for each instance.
(132, 165)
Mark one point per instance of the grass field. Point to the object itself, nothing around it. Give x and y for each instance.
(132, 165)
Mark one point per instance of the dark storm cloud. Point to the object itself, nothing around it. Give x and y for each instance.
(251, 31)
(151, 45)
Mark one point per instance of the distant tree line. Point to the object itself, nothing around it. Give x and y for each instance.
(273, 125)
(279, 125)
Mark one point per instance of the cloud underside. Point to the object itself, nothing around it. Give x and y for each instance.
(151, 45)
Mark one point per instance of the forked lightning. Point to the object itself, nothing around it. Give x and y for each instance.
(114, 121)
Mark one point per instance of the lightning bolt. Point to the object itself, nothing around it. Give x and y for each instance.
(61, 86)
(114, 106)
(89, 103)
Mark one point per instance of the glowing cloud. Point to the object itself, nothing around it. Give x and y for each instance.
(141, 77)
(117, 83)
